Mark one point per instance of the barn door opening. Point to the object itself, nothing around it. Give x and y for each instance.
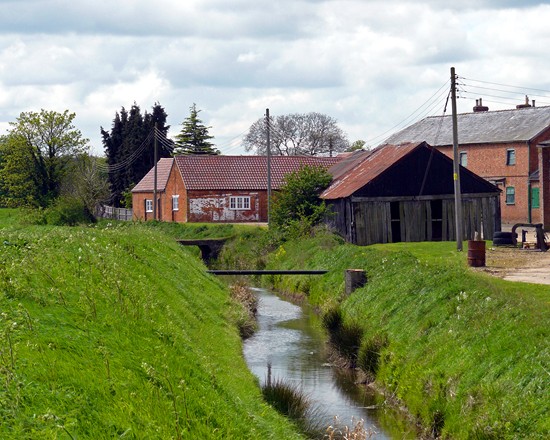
(395, 222)
(437, 219)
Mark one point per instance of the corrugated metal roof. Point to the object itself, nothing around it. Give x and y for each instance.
(348, 162)
(367, 167)
(241, 172)
(517, 125)
(147, 184)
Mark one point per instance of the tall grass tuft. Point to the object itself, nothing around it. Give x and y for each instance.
(246, 315)
(344, 337)
(369, 353)
(287, 399)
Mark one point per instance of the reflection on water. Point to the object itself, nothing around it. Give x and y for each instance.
(290, 339)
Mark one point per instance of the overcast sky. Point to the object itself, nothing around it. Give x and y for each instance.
(375, 66)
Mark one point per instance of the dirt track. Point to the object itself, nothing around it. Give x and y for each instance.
(514, 264)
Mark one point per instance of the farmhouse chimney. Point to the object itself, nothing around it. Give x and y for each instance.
(526, 105)
(480, 107)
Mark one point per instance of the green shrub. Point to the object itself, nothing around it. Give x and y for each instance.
(297, 206)
(68, 211)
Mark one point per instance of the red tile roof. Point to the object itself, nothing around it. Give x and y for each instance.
(355, 172)
(241, 172)
(146, 184)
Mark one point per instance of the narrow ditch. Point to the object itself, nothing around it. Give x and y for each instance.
(290, 345)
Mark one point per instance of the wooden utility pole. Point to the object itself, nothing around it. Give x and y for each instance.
(268, 142)
(155, 174)
(456, 166)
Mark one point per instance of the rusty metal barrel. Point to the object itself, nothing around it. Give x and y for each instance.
(476, 253)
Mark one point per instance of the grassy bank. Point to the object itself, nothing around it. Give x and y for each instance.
(116, 332)
(466, 353)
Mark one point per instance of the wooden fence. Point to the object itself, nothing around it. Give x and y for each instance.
(114, 213)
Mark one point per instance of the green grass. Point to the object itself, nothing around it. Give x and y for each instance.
(10, 217)
(116, 332)
(468, 354)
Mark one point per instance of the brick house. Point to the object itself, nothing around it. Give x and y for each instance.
(201, 188)
(505, 147)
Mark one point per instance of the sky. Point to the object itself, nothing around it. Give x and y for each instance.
(374, 66)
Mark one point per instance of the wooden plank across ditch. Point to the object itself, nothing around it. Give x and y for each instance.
(267, 272)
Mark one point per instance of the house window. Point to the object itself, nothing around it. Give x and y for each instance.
(510, 195)
(148, 205)
(241, 203)
(175, 203)
(463, 159)
(535, 203)
(510, 157)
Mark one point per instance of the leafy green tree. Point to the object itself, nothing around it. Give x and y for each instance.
(87, 182)
(18, 182)
(297, 206)
(129, 147)
(193, 137)
(36, 155)
(359, 144)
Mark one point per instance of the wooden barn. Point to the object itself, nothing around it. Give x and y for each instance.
(406, 193)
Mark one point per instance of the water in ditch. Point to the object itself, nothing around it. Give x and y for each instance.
(291, 344)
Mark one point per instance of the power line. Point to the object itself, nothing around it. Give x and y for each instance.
(505, 85)
(513, 100)
(130, 159)
(229, 143)
(165, 143)
(425, 109)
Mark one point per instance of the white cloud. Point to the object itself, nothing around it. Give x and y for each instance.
(370, 64)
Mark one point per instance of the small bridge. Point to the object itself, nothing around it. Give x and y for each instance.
(267, 272)
(210, 247)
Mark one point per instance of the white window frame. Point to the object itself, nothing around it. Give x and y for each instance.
(510, 156)
(176, 203)
(148, 205)
(239, 203)
(463, 158)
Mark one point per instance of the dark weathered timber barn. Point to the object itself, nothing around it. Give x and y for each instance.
(406, 193)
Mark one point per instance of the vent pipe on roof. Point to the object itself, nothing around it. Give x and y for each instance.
(526, 105)
(480, 107)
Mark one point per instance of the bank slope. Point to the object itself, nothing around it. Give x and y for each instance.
(116, 332)
(467, 354)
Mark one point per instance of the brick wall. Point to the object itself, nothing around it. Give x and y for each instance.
(174, 187)
(489, 162)
(214, 206)
(544, 183)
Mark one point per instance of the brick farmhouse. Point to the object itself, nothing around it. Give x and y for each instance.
(509, 148)
(202, 188)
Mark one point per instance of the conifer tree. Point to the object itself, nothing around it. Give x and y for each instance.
(129, 147)
(193, 137)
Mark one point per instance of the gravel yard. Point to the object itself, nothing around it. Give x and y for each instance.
(514, 264)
